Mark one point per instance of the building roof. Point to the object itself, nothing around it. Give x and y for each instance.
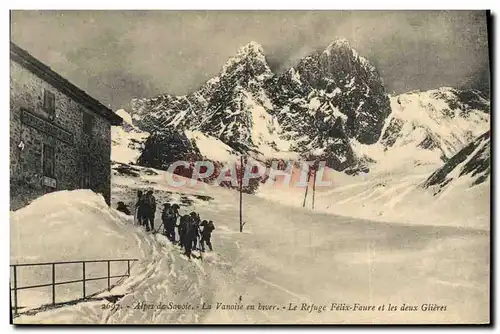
(43, 71)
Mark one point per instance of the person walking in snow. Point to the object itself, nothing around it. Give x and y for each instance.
(169, 219)
(206, 234)
(137, 213)
(183, 222)
(190, 234)
(164, 217)
(123, 208)
(175, 208)
(148, 206)
(196, 223)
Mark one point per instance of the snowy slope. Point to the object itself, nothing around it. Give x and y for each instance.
(393, 196)
(435, 120)
(265, 129)
(212, 148)
(127, 140)
(292, 255)
(426, 128)
(471, 166)
(402, 189)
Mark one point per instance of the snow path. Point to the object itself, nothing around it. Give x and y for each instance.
(293, 294)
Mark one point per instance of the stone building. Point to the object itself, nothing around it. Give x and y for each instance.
(60, 137)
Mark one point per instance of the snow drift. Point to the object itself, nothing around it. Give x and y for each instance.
(69, 226)
(78, 223)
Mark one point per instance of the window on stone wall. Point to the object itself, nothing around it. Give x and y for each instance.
(87, 123)
(48, 161)
(49, 103)
(86, 174)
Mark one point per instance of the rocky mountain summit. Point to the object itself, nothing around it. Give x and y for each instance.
(332, 106)
(313, 108)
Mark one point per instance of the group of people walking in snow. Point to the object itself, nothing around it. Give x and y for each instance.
(193, 232)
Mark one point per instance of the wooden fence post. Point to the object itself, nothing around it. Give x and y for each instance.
(53, 283)
(15, 290)
(83, 263)
(109, 282)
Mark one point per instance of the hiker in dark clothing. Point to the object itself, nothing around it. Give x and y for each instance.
(183, 222)
(164, 217)
(196, 221)
(147, 206)
(123, 208)
(169, 219)
(190, 234)
(175, 208)
(137, 214)
(206, 234)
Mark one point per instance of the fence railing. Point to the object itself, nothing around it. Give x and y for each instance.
(54, 283)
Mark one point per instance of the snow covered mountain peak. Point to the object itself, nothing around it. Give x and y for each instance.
(332, 105)
(251, 47)
(251, 59)
(338, 45)
(329, 98)
(250, 109)
(343, 47)
(338, 42)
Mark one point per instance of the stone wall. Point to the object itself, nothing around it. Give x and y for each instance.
(26, 92)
